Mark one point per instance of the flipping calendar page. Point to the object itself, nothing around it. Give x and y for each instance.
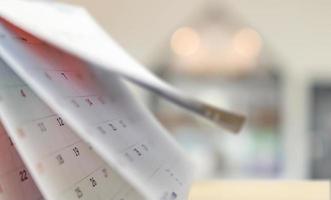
(95, 108)
(61, 163)
(72, 30)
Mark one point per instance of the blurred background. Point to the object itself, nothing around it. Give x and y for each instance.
(268, 59)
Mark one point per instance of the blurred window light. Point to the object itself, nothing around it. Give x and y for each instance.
(185, 41)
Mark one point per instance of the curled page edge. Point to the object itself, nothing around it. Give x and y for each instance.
(228, 120)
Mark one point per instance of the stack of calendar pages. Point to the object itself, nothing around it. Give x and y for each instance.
(70, 128)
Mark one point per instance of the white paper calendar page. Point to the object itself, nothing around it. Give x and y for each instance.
(96, 108)
(63, 165)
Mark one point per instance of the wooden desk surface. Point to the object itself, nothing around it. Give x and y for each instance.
(260, 190)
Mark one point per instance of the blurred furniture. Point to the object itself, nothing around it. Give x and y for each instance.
(320, 130)
(261, 190)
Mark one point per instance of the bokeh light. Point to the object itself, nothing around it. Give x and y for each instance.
(247, 43)
(185, 41)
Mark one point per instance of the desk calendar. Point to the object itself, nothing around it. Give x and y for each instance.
(70, 128)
